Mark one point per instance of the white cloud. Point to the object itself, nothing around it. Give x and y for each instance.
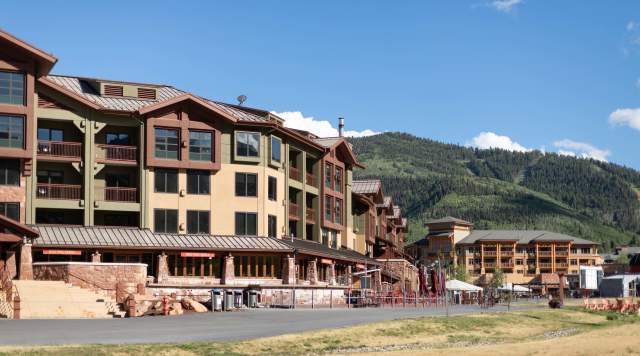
(580, 149)
(505, 5)
(628, 117)
(321, 128)
(486, 140)
(632, 26)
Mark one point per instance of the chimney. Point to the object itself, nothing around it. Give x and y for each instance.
(340, 126)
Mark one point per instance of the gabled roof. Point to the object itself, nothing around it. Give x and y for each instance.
(318, 249)
(521, 237)
(386, 203)
(44, 60)
(449, 219)
(371, 186)
(337, 143)
(17, 228)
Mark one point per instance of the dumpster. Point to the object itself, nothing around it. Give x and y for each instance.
(228, 299)
(216, 300)
(238, 298)
(252, 298)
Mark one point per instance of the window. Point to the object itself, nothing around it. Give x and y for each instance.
(198, 182)
(197, 222)
(273, 188)
(328, 175)
(257, 266)
(273, 226)
(11, 131)
(246, 223)
(46, 134)
(338, 216)
(165, 220)
(276, 149)
(9, 172)
(118, 180)
(10, 210)
(114, 138)
(328, 208)
(166, 143)
(166, 181)
(11, 88)
(200, 146)
(45, 176)
(338, 183)
(246, 185)
(194, 266)
(248, 144)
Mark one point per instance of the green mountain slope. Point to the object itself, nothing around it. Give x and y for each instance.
(500, 189)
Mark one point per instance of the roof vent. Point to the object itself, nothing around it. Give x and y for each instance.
(147, 93)
(113, 90)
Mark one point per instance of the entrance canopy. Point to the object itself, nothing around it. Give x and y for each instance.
(12, 231)
(508, 287)
(454, 284)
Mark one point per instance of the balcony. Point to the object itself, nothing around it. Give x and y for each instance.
(60, 150)
(490, 253)
(59, 191)
(545, 265)
(311, 179)
(562, 265)
(562, 253)
(544, 253)
(294, 173)
(120, 194)
(294, 211)
(117, 153)
(311, 216)
(506, 253)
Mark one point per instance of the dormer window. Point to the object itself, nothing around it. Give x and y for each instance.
(113, 90)
(146, 93)
(247, 144)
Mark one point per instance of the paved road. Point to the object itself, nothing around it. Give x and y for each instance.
(247, 324)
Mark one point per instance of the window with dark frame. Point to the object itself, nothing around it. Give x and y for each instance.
(338, 214)
(48, 176)
(273, 188)
(10, 172)
(118, 139)
(328, 208)
(11, 131)
(118, 180)
(198, 182)
(328, 175)
(246, 224)
(200, 146)
(273, 225)
(48, 134)
(166, 180)
(198, 221)
(338, 178)
(276, 149)
(246, 185)
(167, 143)
(165, 220)
(12, 88)
(248, 144)
(10, 210)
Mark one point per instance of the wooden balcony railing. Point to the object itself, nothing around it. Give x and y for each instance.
(117, 153)
(544, 265)
(562, 253)
(311, 216)
(311, 179)
(60, 149)
(59, 191)
(489, 265)
(544, 253)
(562, 265)
(120, 194)
(506, 253)
(294, 211)
(294, 173)
(490, 253)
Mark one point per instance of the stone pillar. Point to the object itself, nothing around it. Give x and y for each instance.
(228, 270)
(10, 264)
(96, 257)
(331, 274)
(312, 271)
(26, 262)
(163, 268)
(349, 276)
(289, 270)
(377, 281)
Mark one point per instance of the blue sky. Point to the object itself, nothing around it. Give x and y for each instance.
(561, 76)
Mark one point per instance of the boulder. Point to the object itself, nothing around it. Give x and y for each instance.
(191, 304)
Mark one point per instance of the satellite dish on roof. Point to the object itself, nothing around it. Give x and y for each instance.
(241, 99)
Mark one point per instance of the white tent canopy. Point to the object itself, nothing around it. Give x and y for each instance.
(516, 288)
(457, 285)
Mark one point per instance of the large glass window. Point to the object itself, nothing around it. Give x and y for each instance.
(246, 184)
(115, 138)
(276, 149)
(246, 224)
(328, 208)
(338, 216)
(273, 188)
(198, 182)
(10, 210)
(248, 144)
(118, 180)
(200, 145)
(166, 181)
(165, 220)
(11, 131)
(339, 179)
(46, 134)
(12, 88)
(257, 266)
(273, 225)
(328, 175)
(9, 172)
(47, 176)
(198, 221)
(167, 143)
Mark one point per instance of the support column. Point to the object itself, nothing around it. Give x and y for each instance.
(537, 259)
(377, 281)
(289, 270)
(228, 270)
(331, 274)
(10, 264)
(96, 257)
(26, 265)
(312, 271)
(163, 268)
(349, 275)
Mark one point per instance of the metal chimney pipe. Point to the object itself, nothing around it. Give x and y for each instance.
(341, 126)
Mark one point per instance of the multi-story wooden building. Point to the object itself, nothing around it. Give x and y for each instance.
(522, 255)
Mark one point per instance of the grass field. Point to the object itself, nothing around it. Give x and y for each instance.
(570, 331)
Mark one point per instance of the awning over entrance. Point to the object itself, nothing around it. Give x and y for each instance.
(317, 249)
(13, 231)
(134, 238)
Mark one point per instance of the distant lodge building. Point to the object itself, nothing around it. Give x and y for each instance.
(524, 256)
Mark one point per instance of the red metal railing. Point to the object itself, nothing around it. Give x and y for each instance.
(118, 153)
(311, 216)
(120, 194)
(311, 179)
(294, 173)
(294, 211)
(60, 149)
(58, 191)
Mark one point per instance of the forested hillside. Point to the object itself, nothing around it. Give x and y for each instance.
(498, 189)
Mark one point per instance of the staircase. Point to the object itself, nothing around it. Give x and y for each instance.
(60, 300)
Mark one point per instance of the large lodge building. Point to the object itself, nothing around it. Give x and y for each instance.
(202, 192)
